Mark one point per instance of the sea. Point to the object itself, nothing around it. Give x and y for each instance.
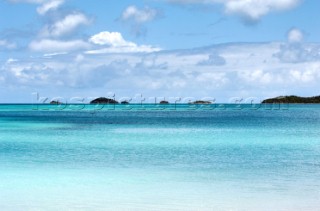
(160, 157)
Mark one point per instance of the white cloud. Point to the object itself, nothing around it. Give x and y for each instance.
(11, 60)
(307, 76)
(136, 18)
(79, 58)
(45, 5)
(255, 9)
(296, 51)
(127, 49)
(213, 60)
(50, 55)
(65, 26)
(114, 39)
(258, 77)
(132, 13)
(48, 6)
(7, 45)
(295, 35)
(117, 44)
(213, 79)
(252, 10)
(47, 45)
(250, 70)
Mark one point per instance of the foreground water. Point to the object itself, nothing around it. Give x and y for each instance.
(222, 159)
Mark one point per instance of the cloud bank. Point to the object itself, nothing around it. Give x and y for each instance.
(221, 71)
(250, 10)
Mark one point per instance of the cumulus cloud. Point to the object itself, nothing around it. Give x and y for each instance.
(23, 73)
(258, 77)
(307, 76)
(117, 44)
(136, 18)
(65, 26)
(252, 10)
(114, 39)
(146, 14)
(298, 53)
(11, 60)
(213, 59)
(295, 35)
(52, 37)
(255, 9)
(49, 5)
(294, 51)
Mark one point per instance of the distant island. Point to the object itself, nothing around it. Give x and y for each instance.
(125, 102)
(164, 102)
(201, 102)
(293, 99)
(103, 100)
(55, 102)
(281, 99)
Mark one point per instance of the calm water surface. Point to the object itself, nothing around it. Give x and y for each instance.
(159, 159)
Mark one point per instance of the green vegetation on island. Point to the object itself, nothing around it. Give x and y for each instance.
(54, 102)
(103, 100)
(164, 102)
(201, 102)
(125, 102)
(282, 99)
(293, 99)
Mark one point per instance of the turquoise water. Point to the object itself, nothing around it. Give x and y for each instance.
(227, 158)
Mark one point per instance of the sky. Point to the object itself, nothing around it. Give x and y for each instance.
(222, 50)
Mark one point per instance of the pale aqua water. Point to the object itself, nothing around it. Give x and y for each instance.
(221, 160)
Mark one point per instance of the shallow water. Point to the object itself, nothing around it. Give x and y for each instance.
(159, 159)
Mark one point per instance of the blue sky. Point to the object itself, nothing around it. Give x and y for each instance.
(222, 49)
